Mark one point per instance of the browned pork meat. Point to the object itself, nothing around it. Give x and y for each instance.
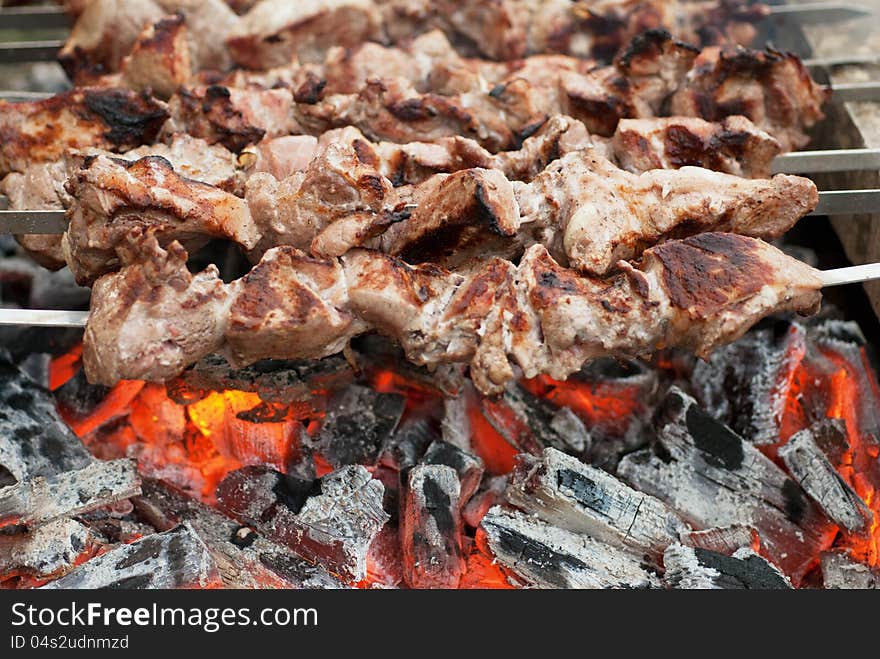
(153, 318)
(160, 59)
(275, 31)
(586, 211)
(772, 89)
(113, 196)
(232, 117)
(592, 213)
(103, 34)
(734, 145)
(42, 131)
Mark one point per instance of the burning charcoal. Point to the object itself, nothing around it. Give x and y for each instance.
(846, 340)
(408, 444)
(384, 564)
(39, 500)
(565, 492)
(841, 571)
(491, 493)
(174, 559)
(275, 380)
(725, 540)
(357, 422)
(703, 569)
(545, 556)
(746, 384)
(244, 558)
(468, 466)
(49, 551)
(808, 464)
(712, 477)
(331, 522)
(456, 427)
(382, 359)
(78, 398)
(34, 441)
(530, 423)
(430, 528)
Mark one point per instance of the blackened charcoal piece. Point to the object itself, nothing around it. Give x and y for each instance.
(333, 527)
(34, 440)
(545, 556)
(244, 558)
(173, 559)
(430, 528)
(77, 398)
(275, 380)
(840, 571)
(41, 499)
(530, 423)
(704, 569)
(565, 492)
(713, 477)
(468, 466)
(746, 384)
(36, 366)
(57, 290)
(811, 468)
(725, 540)
(408, 444)
(22, 340)
(49, 551)
(358, 420)
(456, 426)
(492, 492)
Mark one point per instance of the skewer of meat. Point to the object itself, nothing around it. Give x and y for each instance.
(586, 211)
(153, 318)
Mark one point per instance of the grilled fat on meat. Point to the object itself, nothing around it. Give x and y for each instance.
(586, 211)
(153, 318)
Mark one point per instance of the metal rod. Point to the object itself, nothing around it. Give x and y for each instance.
(842, 60)
(856, 92)
(847, 202)
(18, 222)
(19, 52)
(33, 18)
(16, 96)
(829, 160)
(851, 275)
(819, 12)
(43, 317)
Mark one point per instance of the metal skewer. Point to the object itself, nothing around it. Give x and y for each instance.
(18, 52)
(55, 318)
(34, 18)
(819, 13)
(827, 160)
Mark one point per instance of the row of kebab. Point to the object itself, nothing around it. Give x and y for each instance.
(517, 185)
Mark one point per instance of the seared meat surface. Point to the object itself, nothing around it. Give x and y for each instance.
(153, 318)
(586, 211)
(160, 59)
(734, 145)
(42, 131)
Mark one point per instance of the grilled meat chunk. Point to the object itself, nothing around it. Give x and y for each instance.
(772, 89)
(593, 214)
(153, 318)
(734, 145)
(232, 117)
(113, 196)
(274, 31)
(160, 59)
(41, 131)
(103, 34)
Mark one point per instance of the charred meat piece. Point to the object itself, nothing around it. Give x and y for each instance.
(734, 145)
(536, 317)
(232, 117)
(41, 131)
(114, 197)
(772, 89)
